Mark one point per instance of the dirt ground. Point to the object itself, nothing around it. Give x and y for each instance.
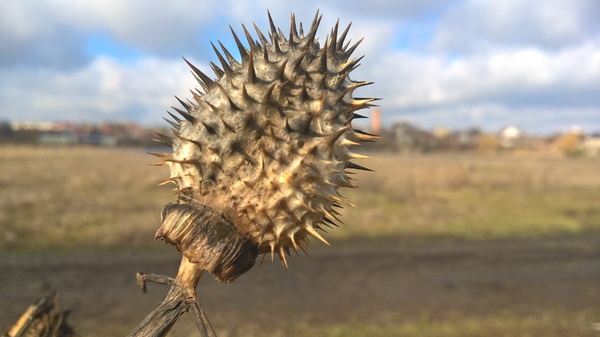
(352, 282)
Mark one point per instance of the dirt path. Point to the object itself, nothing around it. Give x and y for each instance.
(363, 281)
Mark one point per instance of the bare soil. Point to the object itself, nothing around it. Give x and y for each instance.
(352, 282)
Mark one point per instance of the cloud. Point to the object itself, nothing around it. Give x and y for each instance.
(475, 24)
(474, 62)
(105, 90)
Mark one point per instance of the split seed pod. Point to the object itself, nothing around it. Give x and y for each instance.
(259, 156)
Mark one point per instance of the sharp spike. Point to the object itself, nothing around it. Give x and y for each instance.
(296, 63)
(249, 38)
(175, 126)
(251, 71)
(301, 31)
(226, 68)
(275, 40)
(217, 70)
(186, 115)
(310, 38)
(268, 94)
(280, 73)
(240, 46)
(174, 117)
(333, 39)
(316, 234)
(282, 257)
(262, 260)
(340, 42)
(207, 80)
(322, 59)
(349, 52)
(365, 136)
(230, 58)
(163, 139)
(261, 36)
(213, 107)
(354, 166)
(293, 31)
(183, 104)
(272, 25)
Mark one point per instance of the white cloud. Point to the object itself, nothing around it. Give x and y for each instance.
(105, 90)
(485, 60)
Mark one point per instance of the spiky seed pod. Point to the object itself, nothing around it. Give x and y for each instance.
(258, 158)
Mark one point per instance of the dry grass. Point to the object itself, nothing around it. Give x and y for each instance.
(68, 197)
(474, 197)
(60, 198)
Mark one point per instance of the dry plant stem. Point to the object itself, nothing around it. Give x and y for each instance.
(181, 297)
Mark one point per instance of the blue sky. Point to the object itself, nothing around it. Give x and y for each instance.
(435, 63)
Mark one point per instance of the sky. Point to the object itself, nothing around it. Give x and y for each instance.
(457, 64)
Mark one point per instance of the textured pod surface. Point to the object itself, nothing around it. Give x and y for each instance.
(267, 144)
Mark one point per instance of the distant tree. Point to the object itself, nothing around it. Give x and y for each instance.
(569, 144)
(6, 132)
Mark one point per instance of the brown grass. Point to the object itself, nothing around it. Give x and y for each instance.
(60, 198)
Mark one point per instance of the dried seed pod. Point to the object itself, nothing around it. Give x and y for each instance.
(259, 158)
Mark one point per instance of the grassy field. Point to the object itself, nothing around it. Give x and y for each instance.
(499, 245)
(64, 198)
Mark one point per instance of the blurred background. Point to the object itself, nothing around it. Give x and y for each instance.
(482, 217)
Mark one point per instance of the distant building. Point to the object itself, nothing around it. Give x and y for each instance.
(510, 136)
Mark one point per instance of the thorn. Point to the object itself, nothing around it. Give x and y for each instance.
(340, 42)
(175, 126)
(268, 94)
(329, 221)
(293, 31)
(351, 165)
(261, 36)
(298, 61)
(164, 139)
(316, 234)
(240, 46)
(353, 155)
(185, 105)
(280, 73)
(226, 68)
(322, 59)
(217, 70)
(351, 50)
(275, 44)
(230, 58)
(350, 65)
(249, 38)
(333, 39)
(365, 136)
(186, 115)
(272, 24)
(282, 257)
(310, 38)
(331, 138)
(251, 71)
(205, 79)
